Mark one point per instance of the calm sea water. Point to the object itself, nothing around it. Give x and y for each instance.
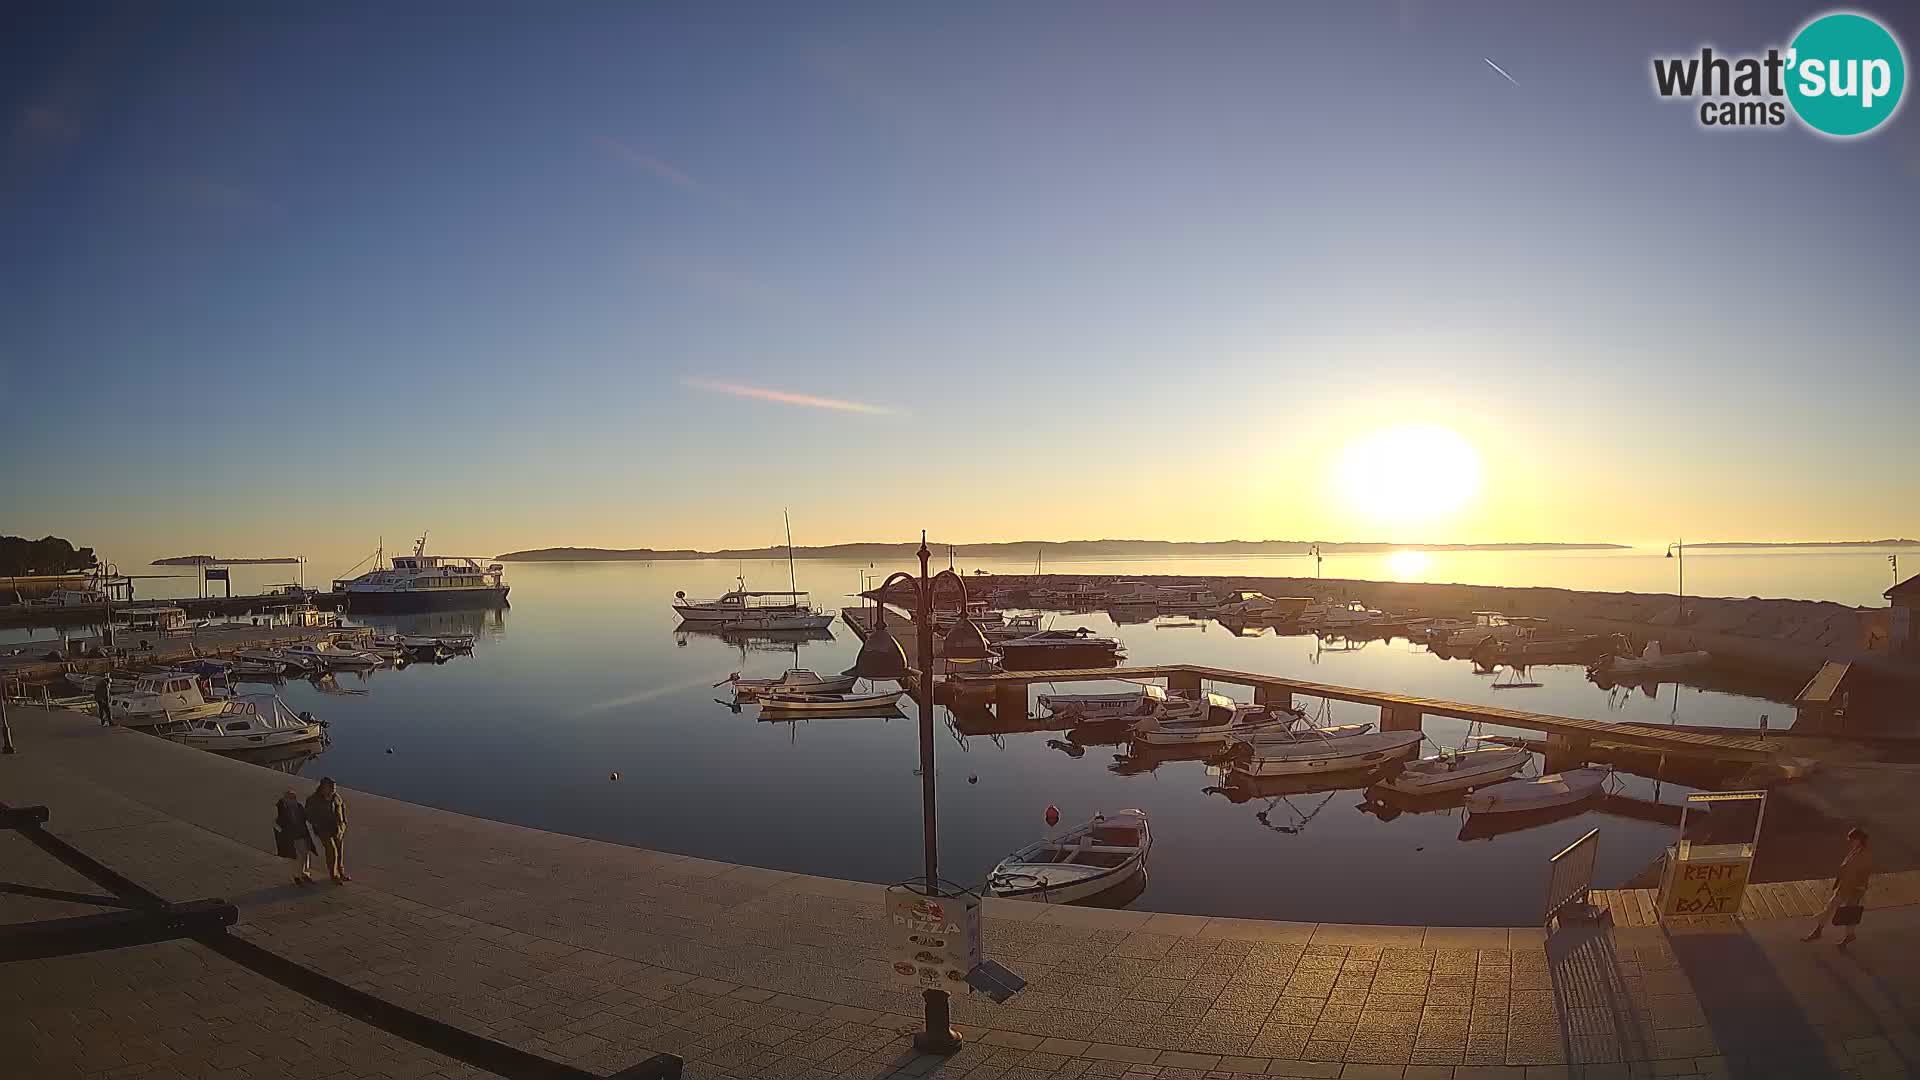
(585, 676)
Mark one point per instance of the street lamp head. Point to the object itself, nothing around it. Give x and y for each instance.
(966, 642)
(1669, 553)
(881, 656)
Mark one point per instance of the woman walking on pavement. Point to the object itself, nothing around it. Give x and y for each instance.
(1849, 889)
(328, 813)
(290, 835)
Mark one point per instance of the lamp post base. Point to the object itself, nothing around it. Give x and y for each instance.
(939, 1036)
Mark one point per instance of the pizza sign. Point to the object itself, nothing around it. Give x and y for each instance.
(933, 942)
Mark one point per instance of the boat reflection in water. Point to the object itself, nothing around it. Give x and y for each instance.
(287, 759)
(1488, 826)
(1238, 787)
(774, 715)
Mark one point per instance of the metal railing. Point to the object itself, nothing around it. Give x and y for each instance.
(1570, 875)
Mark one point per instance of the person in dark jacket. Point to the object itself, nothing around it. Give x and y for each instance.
(103, 697)
(328, 814)
(291, 837)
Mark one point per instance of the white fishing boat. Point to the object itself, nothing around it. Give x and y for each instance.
(1652, 660)
(1210, 719)
(790, 702)
(1338, 615)
(249, 722)
(1080, 644)
(1456, 770)
(793, 681)
(1080, 863)
(1304, 756)
(1488, 626)
(327, 654)
(277, 658)
(979, 612)
(163, 697)
(779, 621)
(1300, 732)
(1094, 708)
(1537, 793)
(1014, 626)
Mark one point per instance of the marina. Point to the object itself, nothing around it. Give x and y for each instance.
(568, 649)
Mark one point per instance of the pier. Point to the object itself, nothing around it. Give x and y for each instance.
(1398, 712)
(196, 607)
(1010, 694)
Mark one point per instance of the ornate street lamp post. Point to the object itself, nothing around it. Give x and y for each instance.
(881, 657)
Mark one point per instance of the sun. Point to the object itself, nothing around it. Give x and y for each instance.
(1408, 474)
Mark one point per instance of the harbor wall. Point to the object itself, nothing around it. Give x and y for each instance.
(1778, 636)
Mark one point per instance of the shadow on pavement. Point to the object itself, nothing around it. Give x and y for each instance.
(1598, 1023)
(1754, 1016)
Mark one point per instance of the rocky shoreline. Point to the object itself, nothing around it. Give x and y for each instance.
(1777, 636)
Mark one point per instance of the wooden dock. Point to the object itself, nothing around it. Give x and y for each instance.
(1398, 712)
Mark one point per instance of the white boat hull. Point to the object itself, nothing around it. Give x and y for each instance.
(1337, 755)
(306, 733)
(1540, 793)
(1475, 769)
(1157, 736)
(828, 703)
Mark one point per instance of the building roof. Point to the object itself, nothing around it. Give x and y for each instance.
(1906, 590)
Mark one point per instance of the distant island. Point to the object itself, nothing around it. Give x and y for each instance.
(1807, 544)
(1024, 549)
(209, 560)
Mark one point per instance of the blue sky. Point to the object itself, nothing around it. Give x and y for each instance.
(287, 281)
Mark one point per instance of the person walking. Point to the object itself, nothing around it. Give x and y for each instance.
(291, 837)
(328, 813)
(103, 698)
(1849, 889)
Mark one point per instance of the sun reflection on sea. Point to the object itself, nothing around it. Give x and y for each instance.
(1407, 565)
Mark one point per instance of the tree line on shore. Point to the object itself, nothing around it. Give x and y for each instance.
(47, 555)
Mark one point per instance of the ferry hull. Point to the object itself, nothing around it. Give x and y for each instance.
(425, 599)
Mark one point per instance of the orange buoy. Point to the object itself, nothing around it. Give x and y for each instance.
(1053, 815)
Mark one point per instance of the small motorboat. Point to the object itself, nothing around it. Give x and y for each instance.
(1324, 755)
(1537, 793)
(163, 697)
(1082, 862)
(776, 621)
(1056, 644)
(426, 648)
(248, 723)
(1207, 720)
(1651, 660)
(326, 654)
(1093, 708)
(1455, 770)
(277, 657)
(1301, 732)
(791, 702)
(793, 681)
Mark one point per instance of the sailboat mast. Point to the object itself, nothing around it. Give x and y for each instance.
(793, 579)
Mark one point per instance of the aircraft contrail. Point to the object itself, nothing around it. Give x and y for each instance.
(1502, 71)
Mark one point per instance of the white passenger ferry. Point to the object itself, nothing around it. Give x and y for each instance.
(423, 582)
